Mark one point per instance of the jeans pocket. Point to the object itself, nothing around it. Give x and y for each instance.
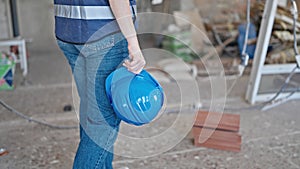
(104, 44)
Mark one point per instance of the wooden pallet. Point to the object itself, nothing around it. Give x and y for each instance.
(218, 131)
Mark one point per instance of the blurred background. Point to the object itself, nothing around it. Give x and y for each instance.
(235, 61)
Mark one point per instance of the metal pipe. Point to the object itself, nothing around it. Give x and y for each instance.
(14, 17)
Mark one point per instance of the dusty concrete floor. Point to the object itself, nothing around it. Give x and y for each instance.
(271, 139)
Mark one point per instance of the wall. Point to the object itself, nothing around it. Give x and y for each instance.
(36, 23)
(4, 20)
(36, 20)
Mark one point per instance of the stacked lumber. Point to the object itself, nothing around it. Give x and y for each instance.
(282, 35)
(217, 130)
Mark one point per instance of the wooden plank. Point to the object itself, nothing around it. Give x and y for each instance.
(222, 140)
(221, 121)
(211, 143)
(216, 134)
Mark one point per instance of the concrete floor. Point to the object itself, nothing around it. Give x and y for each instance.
(271, 139)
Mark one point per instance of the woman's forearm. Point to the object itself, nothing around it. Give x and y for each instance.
(123, 15)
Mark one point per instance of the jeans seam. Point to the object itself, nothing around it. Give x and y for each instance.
(101, 155)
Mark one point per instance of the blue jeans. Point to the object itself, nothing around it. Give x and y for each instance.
(91, 64)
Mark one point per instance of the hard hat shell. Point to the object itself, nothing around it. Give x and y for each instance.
(136, 98)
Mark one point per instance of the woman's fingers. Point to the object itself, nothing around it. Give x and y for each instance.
(136, 64)
(137, 61)
(137, 68)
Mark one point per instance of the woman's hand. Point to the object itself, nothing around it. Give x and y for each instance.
(137, 61)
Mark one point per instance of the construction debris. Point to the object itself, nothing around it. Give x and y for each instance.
(218, 131)
(281, 45)
(222, 36)
(221, 140)
(195, 39)
(227, 122)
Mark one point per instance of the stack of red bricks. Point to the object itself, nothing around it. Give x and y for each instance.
(218, 131)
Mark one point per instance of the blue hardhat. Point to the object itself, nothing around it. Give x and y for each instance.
(136, 98)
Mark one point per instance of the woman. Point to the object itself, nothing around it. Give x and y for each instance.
(96, 36)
